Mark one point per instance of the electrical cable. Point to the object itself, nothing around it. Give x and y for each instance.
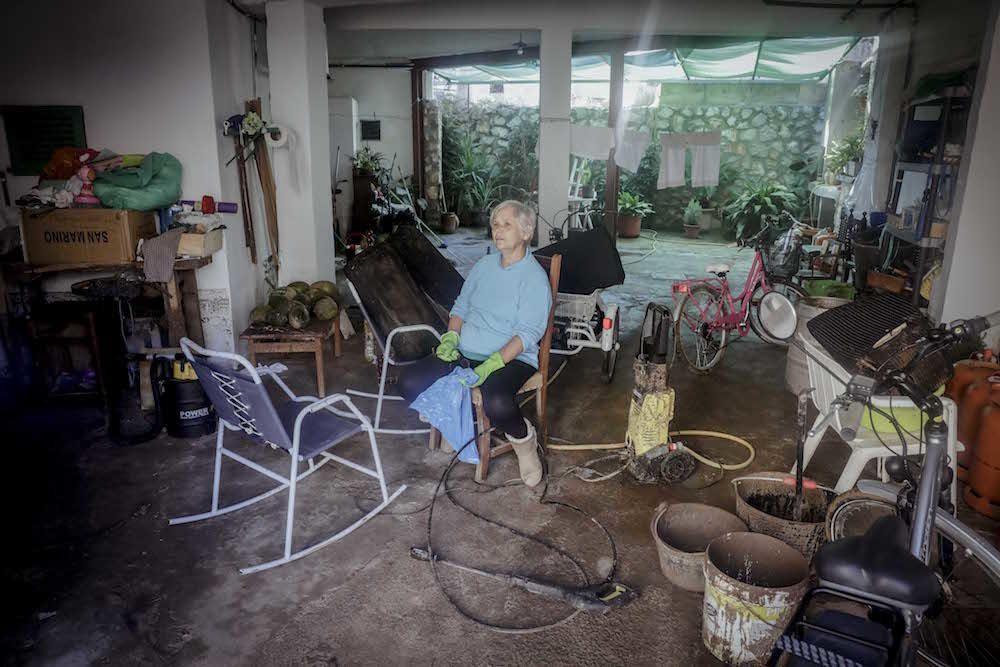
(698, 457)
(653, 248)
(443, 482)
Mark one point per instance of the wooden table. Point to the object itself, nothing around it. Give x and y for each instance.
(266, 339)
(180, 293)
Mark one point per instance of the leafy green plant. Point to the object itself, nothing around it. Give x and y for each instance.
(633, 204)
(482, 190)
(368, 160)
(849, 149)
(755, 202)
(692, 212)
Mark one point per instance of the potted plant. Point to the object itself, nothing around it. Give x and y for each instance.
(756, 201)
(481, 195)
(632, 208)
(692, 219)
(709, 213)
(845, 155)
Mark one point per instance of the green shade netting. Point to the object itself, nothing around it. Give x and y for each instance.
(701, 59)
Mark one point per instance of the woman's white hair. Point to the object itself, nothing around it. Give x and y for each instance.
(525, 214)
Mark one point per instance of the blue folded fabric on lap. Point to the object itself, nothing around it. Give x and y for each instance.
(447, 405)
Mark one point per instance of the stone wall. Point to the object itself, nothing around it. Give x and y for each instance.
(766, 128)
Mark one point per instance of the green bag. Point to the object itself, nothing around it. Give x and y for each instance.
(154, 184)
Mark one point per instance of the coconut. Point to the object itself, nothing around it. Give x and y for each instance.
(299, 285)
(325, 309)
(277, 318)
(259, 314)
(298, 315)
(328, 288)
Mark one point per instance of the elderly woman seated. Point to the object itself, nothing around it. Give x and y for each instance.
(495, 326)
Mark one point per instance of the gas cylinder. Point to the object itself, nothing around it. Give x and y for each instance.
(975, 397)
(966, 373)
(983, 490)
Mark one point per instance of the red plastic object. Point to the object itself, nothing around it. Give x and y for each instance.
(983, 490)
(966, 373)
(208, 204)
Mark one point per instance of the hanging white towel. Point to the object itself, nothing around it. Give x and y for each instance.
(591, 142)
(672, 153)
(706, 154)
(629, 152)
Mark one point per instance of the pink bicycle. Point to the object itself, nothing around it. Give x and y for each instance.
(708, 312)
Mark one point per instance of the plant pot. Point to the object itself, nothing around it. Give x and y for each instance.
(707, 219)
(629, 226)
(449, 223)
(691, 231)
(851, 168)
(480, 218)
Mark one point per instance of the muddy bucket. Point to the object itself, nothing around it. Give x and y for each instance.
(753, 584)
(681, 533)
(765, 502)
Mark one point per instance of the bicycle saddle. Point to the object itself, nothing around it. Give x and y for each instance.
(879, 564)
(718, 269)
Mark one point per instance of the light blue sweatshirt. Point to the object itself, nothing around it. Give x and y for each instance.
(498, 303)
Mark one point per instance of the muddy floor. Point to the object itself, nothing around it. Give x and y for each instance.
(94, 575)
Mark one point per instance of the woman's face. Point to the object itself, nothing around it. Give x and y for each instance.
(508, 234)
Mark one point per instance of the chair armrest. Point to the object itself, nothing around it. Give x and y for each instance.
(267, 372)
(409, 328)
(327, 404)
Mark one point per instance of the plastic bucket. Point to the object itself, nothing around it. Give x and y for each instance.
(768, 491)
(753, 584)
(796, 371)
(682, 532)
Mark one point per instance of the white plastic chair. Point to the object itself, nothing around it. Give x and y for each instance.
(305, 427)
(829, 380)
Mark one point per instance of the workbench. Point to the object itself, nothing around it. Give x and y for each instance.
(180, 293)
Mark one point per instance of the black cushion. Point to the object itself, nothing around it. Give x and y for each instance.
(878, 563)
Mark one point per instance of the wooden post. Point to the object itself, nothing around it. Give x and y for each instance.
(176, 328)
(615, 115)
(417, 115)
(190, 305)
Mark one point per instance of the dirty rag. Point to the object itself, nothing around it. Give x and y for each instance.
(447, 405)
(629, 151)
(158, 255)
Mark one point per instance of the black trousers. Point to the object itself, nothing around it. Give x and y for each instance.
(499, 390)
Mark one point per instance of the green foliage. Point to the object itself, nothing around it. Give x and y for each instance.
(369, 160)
(755, 202)
(692, 212)
(633, 204)
(849, 149)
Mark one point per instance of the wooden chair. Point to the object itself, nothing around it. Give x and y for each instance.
(537, 383)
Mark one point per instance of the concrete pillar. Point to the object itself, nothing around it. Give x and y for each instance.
(432, 158)
(970, 281)
(296, 51)
(886, 101)
(555, 55)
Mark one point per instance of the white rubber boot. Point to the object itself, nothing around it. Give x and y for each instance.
(526, 449)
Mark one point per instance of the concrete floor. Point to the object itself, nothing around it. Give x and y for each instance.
(98, 576)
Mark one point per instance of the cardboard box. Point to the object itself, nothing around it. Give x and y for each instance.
(84, 235)
(939, 230)
(200, 245)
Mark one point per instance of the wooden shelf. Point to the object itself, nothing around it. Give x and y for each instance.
(185, 264)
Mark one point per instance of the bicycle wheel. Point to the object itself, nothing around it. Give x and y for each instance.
(794, 294)
(958, 630)
(696, 330)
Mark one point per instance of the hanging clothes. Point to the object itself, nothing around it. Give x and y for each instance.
(706, 155)
(591, 142)
(631, 149)
(672, 153)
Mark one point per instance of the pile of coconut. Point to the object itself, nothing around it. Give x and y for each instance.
(295, 304)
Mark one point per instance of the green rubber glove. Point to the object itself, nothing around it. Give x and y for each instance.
(493, 363)
(448, 349)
